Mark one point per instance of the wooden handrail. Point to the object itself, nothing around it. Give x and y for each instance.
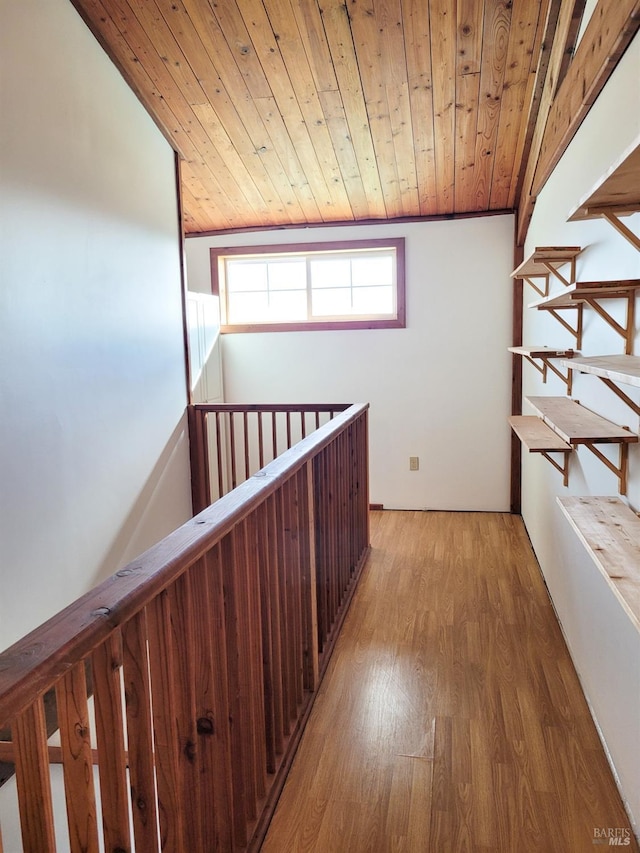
(229, 618)
(293, 408)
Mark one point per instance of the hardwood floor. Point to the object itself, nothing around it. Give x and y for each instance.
(450, 717)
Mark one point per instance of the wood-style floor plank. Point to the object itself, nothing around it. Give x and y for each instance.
(450, 717)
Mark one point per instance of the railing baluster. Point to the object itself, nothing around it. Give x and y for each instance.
(239, 740)
(212, 704)
(33, 781)
(137, 691)
(232, 449)
(352, 506)
(247, 671)
(219, 456)
(332, 531)
(273, 592)
(320, 546)
(163, 687)
(254, 591)
(296, 587)
(267, 633)
(308, 524)
(185, 673)
(107, 685)
(274, 435)
(260, 441)
(77, 760)
(344, 480)
(247, 459)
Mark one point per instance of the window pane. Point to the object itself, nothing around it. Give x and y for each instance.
(287, 306)
(331, 302)
(247, 307)
(288, 274)
(331, 272)
(246, 275)
(371, 271)
(373, 300)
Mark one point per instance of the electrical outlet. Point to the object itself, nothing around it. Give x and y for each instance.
(414, 463)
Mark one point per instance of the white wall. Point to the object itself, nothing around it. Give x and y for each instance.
(604, 648)
(439, 389)
(93, 446)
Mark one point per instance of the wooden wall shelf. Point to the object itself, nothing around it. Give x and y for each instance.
(610, 532)
(546, 261)
(546, 355)
(577, 425)
(616, 194)
(537, 437)
(611, 369)
(590, 293)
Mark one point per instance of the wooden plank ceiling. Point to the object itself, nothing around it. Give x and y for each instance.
(294, 112)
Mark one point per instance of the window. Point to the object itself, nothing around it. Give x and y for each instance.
(348, 285)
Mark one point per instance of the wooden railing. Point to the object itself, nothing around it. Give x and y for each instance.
(231, 441)
(198, 663)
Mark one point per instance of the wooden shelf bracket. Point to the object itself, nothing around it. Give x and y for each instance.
(625, 331)
(620, 470)
(635, 408)
(575, 331)
(564, 468)
(543, 291)
(614, 220)
(611, 369)
(547, 364)
(542, 358)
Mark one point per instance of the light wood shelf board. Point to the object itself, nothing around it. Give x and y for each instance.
(618, 191)
(581, 291)
(618, 368)
(578, 425)
(542, 352)
(537, 263)
(610, 532)
(616, 194)
(536, 436)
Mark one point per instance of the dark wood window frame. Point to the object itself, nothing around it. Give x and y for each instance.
(397, 322)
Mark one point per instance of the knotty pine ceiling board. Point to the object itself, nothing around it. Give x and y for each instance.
(299, 112)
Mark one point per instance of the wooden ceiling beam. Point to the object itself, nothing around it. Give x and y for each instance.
(557, 35)
(609, 32)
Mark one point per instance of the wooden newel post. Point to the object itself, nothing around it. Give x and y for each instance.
(199, 458)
